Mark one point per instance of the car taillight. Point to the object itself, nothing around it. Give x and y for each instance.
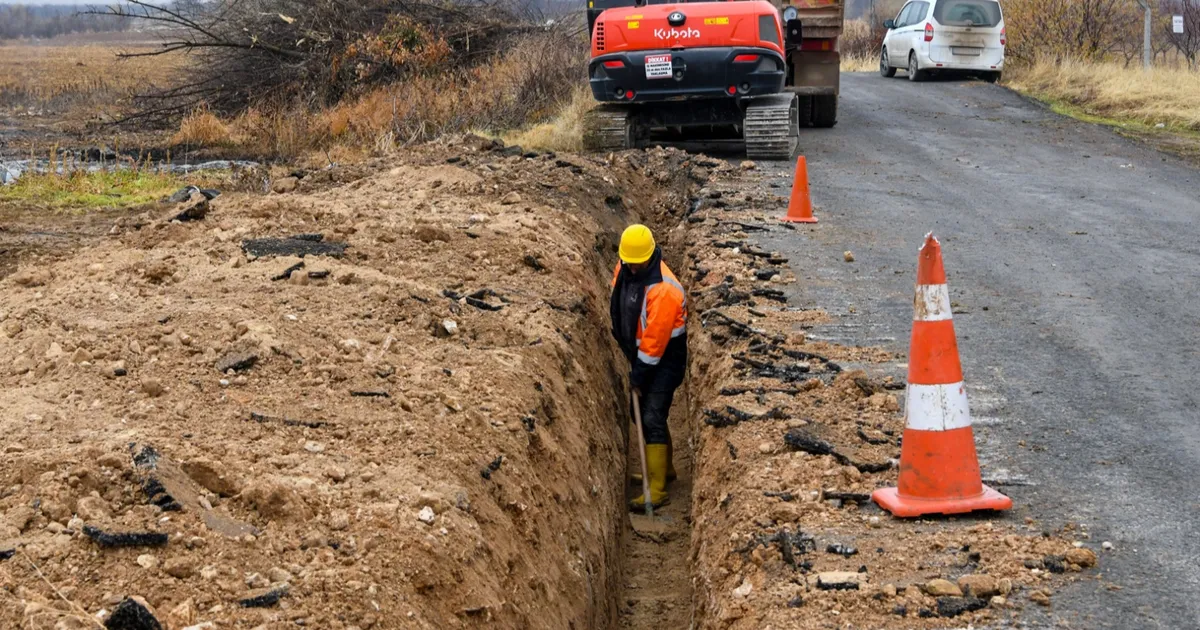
(745, 58)
(614, 64)
(928, 32)
(1004, 36)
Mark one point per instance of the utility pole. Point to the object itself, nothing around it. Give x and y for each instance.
(1146, 56)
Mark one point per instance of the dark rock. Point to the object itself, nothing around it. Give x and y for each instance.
(120, 372)
(841, 550)
(236, 361)
(130, 615)
(533, 262)
(287, 273)
(264, 598)
(110, 540)
(1054, 564)
(454, 160)
(511, 151)
(856, 497)
(803, 441)
(5, 554)
(955, 606)
(900, 611)
(319, 275)
(796, 602)
(925, 613)
(185, 193)
(292, 247)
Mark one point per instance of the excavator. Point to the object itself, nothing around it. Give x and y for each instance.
(749, 70)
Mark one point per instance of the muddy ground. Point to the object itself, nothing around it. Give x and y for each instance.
(428, 429)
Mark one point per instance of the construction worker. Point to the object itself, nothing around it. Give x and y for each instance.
(649, 321)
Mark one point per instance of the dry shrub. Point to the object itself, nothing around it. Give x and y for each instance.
(531, 83)
(318, 52)
(1092, 30)
(562, 133)
(860, 45)
(1163, 95)
(202, 128)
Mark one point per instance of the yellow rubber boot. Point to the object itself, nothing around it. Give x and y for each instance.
(671, 475)
(656, 467)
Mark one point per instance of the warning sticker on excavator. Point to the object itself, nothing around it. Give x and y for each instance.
(717, 21)
(658, 66)
(632, 24)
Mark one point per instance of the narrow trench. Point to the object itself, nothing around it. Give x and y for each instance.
(656, 588)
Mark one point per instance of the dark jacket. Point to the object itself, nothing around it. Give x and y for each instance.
(649, 318)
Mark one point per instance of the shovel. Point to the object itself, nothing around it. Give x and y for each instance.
(637, 420)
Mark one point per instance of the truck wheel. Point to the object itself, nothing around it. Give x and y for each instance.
(990, 77)
(885, 69)
(915, 73)
(804, 110)
(824, 110)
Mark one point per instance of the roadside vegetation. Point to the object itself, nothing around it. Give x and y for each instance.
(81, 191)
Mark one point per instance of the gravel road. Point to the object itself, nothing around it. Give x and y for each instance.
(1073, 258)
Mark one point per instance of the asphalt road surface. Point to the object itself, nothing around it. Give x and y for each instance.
(1073, 258)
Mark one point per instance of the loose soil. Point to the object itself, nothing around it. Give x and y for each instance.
(770, 518)
(430, 432)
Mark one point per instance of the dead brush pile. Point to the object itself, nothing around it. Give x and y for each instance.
(287, 77)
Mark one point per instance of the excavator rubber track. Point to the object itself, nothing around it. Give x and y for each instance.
(608, 128)
(771, 129)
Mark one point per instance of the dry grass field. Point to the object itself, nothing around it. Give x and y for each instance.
(79, 80)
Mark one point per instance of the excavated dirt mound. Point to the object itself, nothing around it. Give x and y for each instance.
(789, 444)
(420, 433)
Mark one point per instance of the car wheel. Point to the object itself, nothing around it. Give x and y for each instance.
(915, 73)
(991, 77)
(885, 69)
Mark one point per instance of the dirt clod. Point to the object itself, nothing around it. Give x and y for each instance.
(942, 588)
(236, 361)
(1085, 558)
(983, 586)
(840, 581)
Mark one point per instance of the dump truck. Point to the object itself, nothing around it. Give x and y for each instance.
(748, 70)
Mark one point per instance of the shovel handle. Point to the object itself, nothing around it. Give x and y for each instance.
(637, 420)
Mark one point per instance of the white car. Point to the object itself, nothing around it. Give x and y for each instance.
(932, 36)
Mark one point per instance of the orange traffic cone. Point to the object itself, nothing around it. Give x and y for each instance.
(800, 206)
(939, 471)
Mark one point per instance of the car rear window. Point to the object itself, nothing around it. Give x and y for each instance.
(967, 13)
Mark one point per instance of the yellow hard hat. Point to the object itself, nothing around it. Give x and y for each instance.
(637, 244)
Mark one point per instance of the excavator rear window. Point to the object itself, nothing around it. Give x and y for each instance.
(766, 29)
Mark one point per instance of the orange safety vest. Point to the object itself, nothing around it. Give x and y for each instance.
(663, 316)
